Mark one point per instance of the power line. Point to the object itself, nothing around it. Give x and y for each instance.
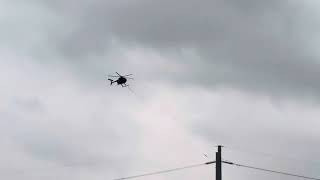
(167, 171)
(226, 162)
(277, 156)
(273, 171)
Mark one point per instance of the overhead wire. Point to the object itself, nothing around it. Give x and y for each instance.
(273, 171)
(166, 171)
(270, 155)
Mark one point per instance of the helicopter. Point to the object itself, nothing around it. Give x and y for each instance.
(121, 79)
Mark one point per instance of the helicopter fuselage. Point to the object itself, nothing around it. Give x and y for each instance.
(121, 80)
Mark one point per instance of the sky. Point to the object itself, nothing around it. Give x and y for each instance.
(243, 74)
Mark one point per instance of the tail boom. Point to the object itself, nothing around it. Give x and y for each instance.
(111, 81)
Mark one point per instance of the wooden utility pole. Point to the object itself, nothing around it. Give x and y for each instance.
(218, 164)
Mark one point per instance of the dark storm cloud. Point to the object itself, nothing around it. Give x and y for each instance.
(56, 116)
(261, 46)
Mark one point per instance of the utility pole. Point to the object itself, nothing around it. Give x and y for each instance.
(218, 164)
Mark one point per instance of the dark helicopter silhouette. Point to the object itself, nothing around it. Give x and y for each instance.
(121, 79)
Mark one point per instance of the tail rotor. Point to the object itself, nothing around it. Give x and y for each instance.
(111, 81)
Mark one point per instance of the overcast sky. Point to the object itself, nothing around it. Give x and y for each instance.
(241, 73)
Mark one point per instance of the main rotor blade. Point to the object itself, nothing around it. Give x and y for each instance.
(118, 73)
(128, 75)
(112, 76)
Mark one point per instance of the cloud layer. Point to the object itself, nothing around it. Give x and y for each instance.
(262, 47)
(205, 73)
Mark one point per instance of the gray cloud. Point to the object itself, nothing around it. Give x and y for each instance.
(52, 130)
(262, 47)
(59, 118)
